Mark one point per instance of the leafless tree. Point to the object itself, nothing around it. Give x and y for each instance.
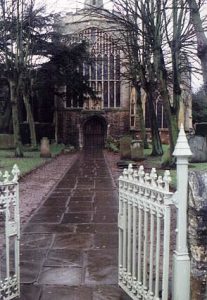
(201, 35)
(158, 37)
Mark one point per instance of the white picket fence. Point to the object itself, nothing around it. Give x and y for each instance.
(145, 203)
(10, 234)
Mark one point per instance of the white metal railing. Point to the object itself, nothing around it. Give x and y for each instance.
(144, 231)
(10, 234)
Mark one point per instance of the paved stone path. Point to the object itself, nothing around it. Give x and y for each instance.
(69, 247)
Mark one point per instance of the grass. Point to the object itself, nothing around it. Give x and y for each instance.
(156, 162)
(30, 161)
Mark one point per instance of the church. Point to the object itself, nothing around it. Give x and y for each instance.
(113, 112)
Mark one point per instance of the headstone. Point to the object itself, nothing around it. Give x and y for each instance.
(197, 237)
(198, 146)
(6, 141)
(45, 148)
(137, 150)
(125, 147)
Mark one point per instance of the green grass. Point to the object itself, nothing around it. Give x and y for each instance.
(156, 162)
(198, 166)
(30, 161)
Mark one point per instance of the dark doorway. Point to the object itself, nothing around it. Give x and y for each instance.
(94, 131)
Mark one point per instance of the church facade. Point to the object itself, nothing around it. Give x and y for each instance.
(113, 112)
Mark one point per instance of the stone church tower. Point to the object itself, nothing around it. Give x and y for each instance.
(109, 114)
(113, 112)
(93, 3)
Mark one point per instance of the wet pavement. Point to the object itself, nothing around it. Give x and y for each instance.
(69, 247)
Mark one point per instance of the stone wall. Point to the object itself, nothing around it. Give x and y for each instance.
(118, 121)
(70, 122)
(197, 220)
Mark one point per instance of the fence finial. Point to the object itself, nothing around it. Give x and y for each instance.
(182, 147)
(16, 173)
(6, 177)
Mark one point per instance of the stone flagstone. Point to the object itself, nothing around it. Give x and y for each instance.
(69, 247)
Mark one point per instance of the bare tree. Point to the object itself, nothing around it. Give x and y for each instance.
(201, 37)
(127, 27)
(159, 37)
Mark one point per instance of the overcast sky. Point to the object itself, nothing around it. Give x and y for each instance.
(68, 5)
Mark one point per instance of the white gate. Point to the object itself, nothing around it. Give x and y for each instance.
(145, 203)
(9, 235)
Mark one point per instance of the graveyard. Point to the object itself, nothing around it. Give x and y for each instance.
(103, 150)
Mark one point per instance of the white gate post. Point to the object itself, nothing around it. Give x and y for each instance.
(181, 260)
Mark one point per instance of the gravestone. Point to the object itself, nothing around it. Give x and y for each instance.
(125, 147)
(45, 148)
(6, 141)
(197, 233)
(198, 146)
(137, 150)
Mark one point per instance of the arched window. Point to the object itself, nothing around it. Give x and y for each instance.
(104, 70)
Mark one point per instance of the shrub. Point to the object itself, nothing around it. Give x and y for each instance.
(112, 144)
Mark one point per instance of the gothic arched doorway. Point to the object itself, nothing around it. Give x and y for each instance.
(94, 131)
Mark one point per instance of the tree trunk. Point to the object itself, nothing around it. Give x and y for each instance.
(171, 119)
(156, 141)
(201, 38)
(30, 119)
(15, 119)
(171, 116)
(55, 118)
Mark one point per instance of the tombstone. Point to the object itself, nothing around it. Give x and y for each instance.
(6, 141)
(198, 146)
(45, 148)
(125, 147)
(137, 150)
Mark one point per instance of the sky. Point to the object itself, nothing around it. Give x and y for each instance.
(68, 5)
